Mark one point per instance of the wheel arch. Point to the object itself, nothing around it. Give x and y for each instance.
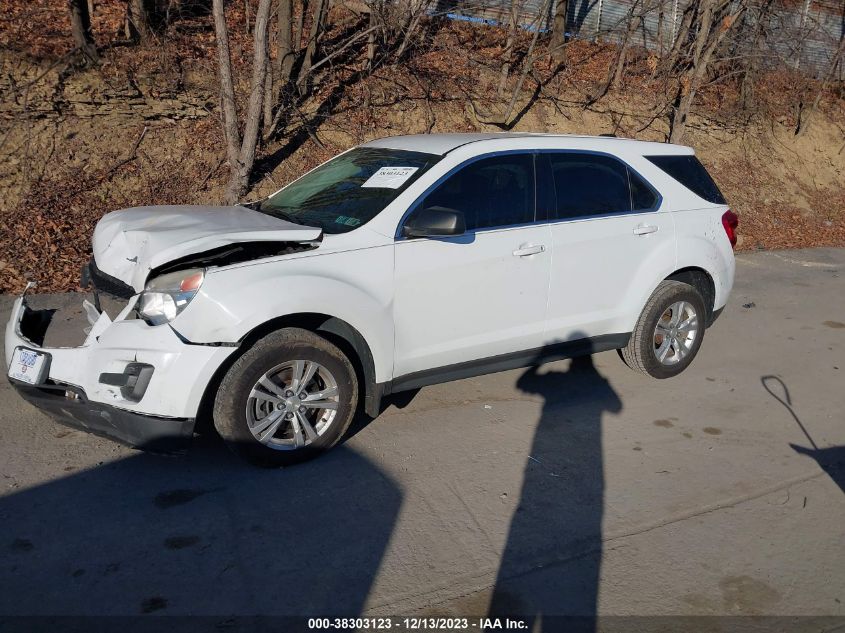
(702, 281)
(348, 339)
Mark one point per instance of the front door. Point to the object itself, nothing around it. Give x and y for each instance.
(482, 294)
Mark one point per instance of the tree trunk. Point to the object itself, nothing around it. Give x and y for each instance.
(227, 88)
(371, 39)
(241, 151)
(633, 23)
(680, 44)
(269, 98)
(411, 26)
(749, 76)
(311, 49)
(507, 57)
(707, 41)
(138, 20)
(300, 25)
(527, 65)
(804, 115)
(256, 100)
(558, 41)
(284, 42)
(80, 22)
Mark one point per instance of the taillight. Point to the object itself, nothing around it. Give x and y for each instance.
(730, 221)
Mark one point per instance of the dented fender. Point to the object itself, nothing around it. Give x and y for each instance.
(235, 300)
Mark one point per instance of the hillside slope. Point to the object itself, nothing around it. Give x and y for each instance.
(145, 130)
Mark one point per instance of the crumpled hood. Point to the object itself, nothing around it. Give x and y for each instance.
(129, 243)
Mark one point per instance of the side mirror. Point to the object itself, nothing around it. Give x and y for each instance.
(434, 222)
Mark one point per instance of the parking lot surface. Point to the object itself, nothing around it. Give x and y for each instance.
(580, 487)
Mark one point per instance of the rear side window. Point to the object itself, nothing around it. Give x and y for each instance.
(593, 184)
(643, 197)
(496, 191)
(689, 171)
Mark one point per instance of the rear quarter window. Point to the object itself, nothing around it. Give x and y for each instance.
(689, 171)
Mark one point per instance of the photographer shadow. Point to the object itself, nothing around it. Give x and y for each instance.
(552, 558)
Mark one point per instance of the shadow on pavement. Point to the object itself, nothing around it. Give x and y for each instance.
(206, 534)
(200, 534)
(552, 558)
(831, 459)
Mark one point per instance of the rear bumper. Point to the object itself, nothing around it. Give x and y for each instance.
(147, 432)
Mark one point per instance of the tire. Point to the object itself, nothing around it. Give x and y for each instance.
(676, 345)
(246, 410)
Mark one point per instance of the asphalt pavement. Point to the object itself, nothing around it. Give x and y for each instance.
(578, 488)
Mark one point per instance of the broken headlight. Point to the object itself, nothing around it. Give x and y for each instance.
(167, 295)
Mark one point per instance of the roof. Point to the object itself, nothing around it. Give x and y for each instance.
(445, 143)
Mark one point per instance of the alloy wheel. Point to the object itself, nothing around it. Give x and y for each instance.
(675, 333)
(292, 405)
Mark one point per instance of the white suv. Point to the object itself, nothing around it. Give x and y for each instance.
(403, 262)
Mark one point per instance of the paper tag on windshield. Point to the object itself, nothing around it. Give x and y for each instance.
(390, 177)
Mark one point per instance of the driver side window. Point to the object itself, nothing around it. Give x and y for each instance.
(491, 192)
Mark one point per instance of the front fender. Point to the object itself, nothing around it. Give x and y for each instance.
(354, 286)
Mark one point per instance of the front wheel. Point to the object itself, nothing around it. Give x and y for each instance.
(669, 331)
(287, 399)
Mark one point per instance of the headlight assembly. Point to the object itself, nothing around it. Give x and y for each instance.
(167, 295)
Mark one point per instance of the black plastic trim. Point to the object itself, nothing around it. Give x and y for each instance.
(103, 282)
(715, 315)
(146, 432)
(503, 362)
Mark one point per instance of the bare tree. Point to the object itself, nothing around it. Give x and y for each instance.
(634, 21)
(80, 22)
(714, 19)
(508, 53)
(284, 42)
(557, 44)
(409, 24)
(139, 20)
(241, 150)
(806, 114)
(311, 49)
(754, 53)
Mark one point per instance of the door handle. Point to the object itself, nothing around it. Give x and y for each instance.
(525, 250)
(645, 229)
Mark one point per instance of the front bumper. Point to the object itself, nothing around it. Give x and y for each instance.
(150, 433)
(166, 411)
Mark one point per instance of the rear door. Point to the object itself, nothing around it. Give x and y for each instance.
(482, 294)
(610, 237)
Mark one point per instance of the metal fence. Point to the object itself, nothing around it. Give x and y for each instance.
(803, 34)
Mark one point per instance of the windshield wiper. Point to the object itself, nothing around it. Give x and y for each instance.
(276, 213)
(285, 216)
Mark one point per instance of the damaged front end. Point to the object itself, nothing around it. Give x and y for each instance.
(115, 376)
(116, 367)
(132, 246)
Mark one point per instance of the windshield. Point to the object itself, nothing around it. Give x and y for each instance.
(349, 190)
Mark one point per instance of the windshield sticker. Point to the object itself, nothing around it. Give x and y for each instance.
(342, 219)
(390, 177)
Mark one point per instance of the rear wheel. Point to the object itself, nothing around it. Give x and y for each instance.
(287, 399)
(669, 331)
